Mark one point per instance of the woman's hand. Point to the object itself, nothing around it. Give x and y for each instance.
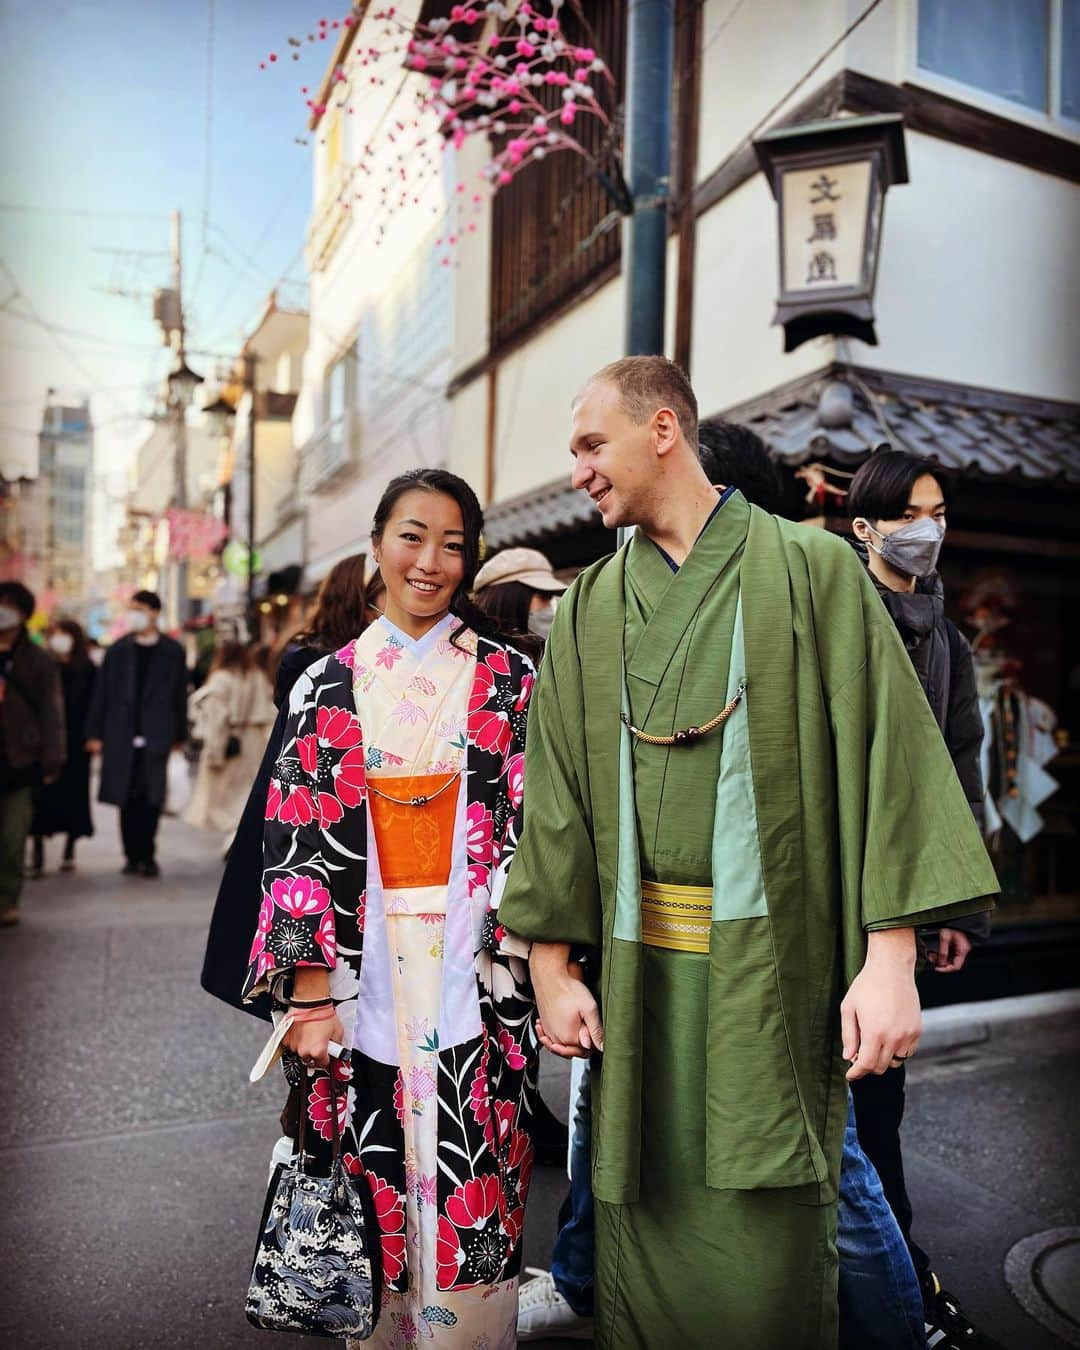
(310, 1040)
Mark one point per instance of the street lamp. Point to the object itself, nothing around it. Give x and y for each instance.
(829, 179)
(182, 382)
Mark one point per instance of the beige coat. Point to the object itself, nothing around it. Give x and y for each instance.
(228, 704)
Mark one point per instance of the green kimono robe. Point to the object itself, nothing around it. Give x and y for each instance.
(826, 806)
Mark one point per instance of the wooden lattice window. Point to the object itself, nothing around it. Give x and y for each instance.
(553, 226)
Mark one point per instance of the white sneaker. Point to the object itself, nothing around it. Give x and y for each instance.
(544, 1313)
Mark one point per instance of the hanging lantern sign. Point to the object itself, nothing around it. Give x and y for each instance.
(829, 179)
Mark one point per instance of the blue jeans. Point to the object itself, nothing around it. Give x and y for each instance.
(880, 1303)
(880, 1300)
(572, 1255)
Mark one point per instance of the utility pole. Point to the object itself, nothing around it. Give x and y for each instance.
(650, 55)
(650, 46)
(249, 385)
(180, 413)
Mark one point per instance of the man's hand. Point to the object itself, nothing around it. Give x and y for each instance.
(568, 1017)
(94, 747)
(952, 951)
(880, 1018)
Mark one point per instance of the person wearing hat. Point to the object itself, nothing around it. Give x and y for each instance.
(517, 588)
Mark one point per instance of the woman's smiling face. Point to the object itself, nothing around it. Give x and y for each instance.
(420, 558)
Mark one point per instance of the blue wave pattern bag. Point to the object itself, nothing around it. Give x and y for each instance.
(318, 1259)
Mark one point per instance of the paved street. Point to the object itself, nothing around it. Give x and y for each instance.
(135, 1150)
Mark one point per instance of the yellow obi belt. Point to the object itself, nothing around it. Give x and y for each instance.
(676, 917)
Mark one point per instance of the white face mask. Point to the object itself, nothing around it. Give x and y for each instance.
(540, 621)
(9, 618)
(138, 621)
(62, 643)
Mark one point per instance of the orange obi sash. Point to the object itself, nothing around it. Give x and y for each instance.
(415, 843)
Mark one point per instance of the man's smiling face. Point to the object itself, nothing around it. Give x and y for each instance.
(614, 457)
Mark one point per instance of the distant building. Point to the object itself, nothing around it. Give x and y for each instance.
(66, 475)
(22, 532)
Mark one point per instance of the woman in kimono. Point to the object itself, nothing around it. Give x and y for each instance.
(389, 831)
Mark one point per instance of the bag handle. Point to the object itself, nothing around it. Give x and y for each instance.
(335, 1124)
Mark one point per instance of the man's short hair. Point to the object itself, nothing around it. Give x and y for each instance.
(735, 456)
(16, 594)
(881, 488)
(646, 383)
(150, 599)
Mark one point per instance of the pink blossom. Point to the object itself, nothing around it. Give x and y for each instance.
(300, 896)
(307, 747)
(515, 779)
(478, 837)
(326, 938)
(511, 1050)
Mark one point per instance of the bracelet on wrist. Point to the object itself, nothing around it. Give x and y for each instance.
(312, 1015)
(326, 1002)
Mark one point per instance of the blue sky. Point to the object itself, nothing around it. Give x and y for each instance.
(105, 110)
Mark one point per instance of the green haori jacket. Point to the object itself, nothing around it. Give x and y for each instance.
(837, 811)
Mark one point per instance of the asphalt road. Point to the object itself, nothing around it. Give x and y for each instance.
(134, 1150)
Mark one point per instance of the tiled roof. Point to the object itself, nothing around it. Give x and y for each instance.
(535, 516)
(843, 414)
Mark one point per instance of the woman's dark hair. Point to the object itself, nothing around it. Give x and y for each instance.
(881, 489)
(339, 614)
(229, 656)
(80, 651)
(508, 603)
(472, 520)
(735, 456)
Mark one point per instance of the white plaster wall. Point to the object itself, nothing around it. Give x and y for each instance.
(979, 281)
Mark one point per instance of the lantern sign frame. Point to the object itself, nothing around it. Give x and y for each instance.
(820, 164)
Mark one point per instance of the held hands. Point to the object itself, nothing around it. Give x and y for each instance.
(568, 1021)
(951, 951)
(880, 1017)
(94, 747)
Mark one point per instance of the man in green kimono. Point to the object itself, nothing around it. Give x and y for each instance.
(739, 798)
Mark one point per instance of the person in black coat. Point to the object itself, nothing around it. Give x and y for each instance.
(64, 805)
(138, 715)
(897, 504)
(342, 612)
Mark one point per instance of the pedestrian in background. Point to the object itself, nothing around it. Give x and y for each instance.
(31, 736)
(229, 717)
(898, 507)
(517, 588)
(341, 612)
(64, 806)
(138, 715)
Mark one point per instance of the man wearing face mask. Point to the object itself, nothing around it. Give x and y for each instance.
(138, 715)
(31, 736)
(897, 508)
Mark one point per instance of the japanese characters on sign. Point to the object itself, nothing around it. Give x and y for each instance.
(824, 224)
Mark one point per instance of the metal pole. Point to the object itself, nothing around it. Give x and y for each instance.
(650, 46)
(649, 61)
(249, 384)
(180, 448)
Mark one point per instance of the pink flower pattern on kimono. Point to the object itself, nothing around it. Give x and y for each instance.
(469, 1249)
(338, 728)
(319, 1104)
(347, 655)
(515, 779)
(350, 778)
(511, 1049)
(325, 936)
(489, 728)
(300, 896)
(390, 655)
(479, 878)
(298, 808)
(273, 800)
(409, 713)
(264, 959)
(479, 833)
